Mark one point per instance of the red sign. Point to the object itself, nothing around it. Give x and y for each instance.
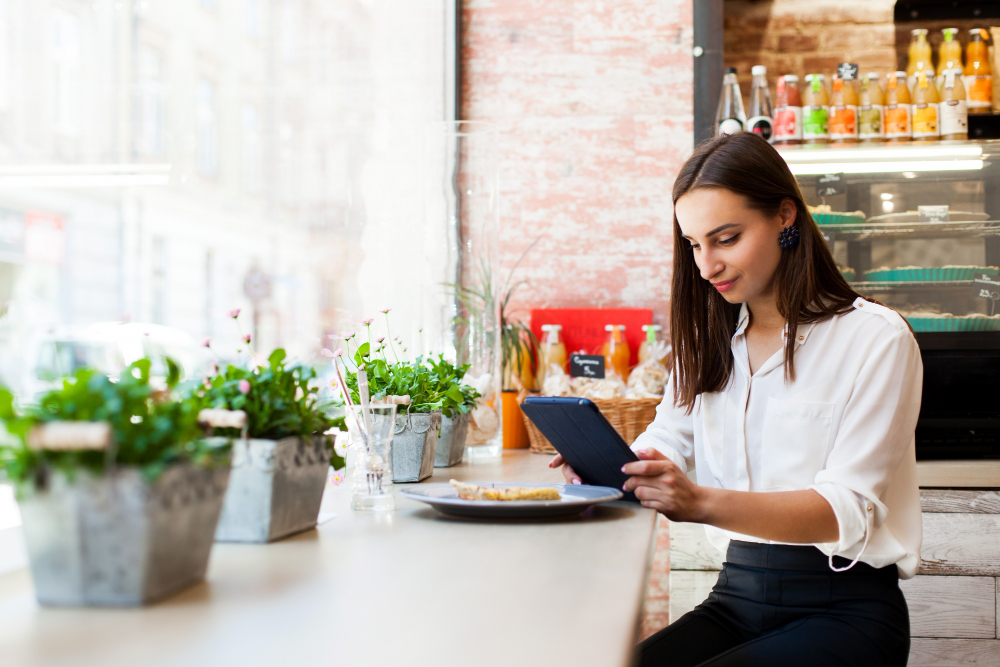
(44, 240)
(583, 328)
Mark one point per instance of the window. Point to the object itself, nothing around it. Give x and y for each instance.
(150, 116)
(251, 18)
(208, 131)
(251, 149)
(4, 56)
(65, 56)
(159, 281)
(289, 31)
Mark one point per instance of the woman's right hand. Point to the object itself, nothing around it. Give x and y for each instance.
(568, 472)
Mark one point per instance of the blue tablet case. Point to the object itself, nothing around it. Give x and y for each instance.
(578, 431)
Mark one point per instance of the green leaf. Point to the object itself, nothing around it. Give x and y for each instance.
(276, 358)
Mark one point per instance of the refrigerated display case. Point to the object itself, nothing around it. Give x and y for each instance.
(917, 227)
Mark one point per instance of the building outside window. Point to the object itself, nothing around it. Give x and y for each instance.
(65, 55)
(251, 149)
(150, 108)
(208, 129)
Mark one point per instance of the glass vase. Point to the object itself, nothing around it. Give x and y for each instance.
(370, 456)
(462, 223)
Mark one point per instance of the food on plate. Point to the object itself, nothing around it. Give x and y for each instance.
(480, 492)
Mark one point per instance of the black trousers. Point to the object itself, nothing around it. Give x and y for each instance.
(779, 605)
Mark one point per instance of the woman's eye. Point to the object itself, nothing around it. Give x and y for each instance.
(730, 241)
(695, 246)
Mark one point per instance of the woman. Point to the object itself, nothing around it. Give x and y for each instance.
(796, 401)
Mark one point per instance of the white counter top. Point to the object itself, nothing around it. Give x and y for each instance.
(404, 588)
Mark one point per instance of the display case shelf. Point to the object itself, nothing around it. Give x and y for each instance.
(877, 286)
(911, 230)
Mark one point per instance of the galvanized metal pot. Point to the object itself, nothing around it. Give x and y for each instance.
(414, 445)
(451, 442)
(275, 488)
(117, 539)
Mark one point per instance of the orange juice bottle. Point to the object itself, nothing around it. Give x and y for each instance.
(616, 351)
(919, 54)
(978, 74)
(926, 111)
(949, 54)
(897, 109)
(645, 350)
(954, 110)
(843, 112)
(551, 351)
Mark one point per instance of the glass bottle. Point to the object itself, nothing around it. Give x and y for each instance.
(954, 108)
(730, 117)
(616, 351)
(978, 73)
(551, 351)
(926, 108)
(898, 126)
(870, 110)
(761, 119)
(919, 53)
(949, 54)
(815, 111)
(646, 348)
(843, 112)
(788, 111)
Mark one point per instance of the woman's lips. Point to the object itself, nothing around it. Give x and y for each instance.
(725, 285)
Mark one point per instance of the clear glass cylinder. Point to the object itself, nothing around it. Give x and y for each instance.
(370, 456)
(462, 216)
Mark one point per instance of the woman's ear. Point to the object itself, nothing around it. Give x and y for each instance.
(787, 213)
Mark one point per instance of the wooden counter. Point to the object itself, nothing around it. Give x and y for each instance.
(402, 588)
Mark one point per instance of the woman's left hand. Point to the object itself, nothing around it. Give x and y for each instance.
(659, 484)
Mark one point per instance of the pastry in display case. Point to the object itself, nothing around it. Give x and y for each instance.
(917, 228)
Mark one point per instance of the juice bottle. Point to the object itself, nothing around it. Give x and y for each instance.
(730, 117)
(788, 111)
(616, 351)
(925, 108)
(645, 350)
(978, 74)
(815, 111)
(949, 54)
(843, 112)
(761, 119)
(871, 126)
(919, 56)
(897, 109)
(954, 109)
(551, 350)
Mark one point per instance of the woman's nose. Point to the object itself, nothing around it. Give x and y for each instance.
(709, 265)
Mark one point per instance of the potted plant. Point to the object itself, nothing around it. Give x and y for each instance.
(119, 494)
(426, 390)
(281, 457)
(458, 401)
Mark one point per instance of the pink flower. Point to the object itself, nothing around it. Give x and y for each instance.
(246, 339)
(380, 339)
(244, 386)
(386, 311)
(207, 342)
(213, 368)
(368, 322)
(337, 478)
(234, 313)
(326, 353)
(338, 352)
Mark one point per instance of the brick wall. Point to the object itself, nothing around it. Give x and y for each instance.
(594, 99)
(595, 103)
(805, 36)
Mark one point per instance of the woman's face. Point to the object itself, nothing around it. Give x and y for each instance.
(735, 246)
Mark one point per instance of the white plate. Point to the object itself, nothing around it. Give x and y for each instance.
(575, 499)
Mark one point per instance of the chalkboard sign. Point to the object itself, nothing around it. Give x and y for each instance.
(847, 71)
(987, 286)
(830, 184)
(586, 366)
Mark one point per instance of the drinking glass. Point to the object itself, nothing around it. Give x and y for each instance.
(371, 433)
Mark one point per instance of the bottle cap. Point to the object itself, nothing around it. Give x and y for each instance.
(758, 69)
(919, 31)
(730, 70)
(551, 327)
(873, 75)
(900, 74)
(791, 78)
(652, 327)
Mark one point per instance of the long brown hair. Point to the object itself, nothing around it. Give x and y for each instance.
(808, 286)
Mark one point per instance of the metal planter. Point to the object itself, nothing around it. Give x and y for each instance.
(119, 540)
(414, 445)
(275, 488)
(451, 441)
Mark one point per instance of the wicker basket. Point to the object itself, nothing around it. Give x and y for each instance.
(629, 416)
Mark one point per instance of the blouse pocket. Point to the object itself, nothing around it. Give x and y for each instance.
(796, 441)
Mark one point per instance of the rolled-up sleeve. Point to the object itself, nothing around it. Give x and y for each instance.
(875, 433)
(671, 432)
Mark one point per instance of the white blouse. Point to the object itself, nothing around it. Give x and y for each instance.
(844, 427)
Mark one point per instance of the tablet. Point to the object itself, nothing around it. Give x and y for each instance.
(578, 431)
